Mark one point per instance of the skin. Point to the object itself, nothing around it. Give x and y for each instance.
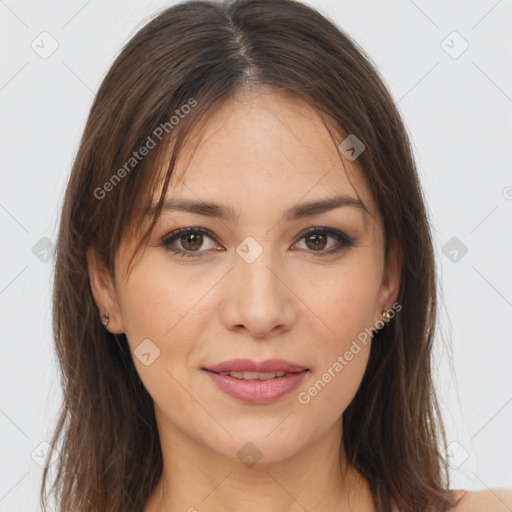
(495, 500)
(260, 154)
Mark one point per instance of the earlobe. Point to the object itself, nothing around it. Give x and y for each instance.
(103, 292)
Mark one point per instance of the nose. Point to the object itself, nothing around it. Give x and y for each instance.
(257, 298)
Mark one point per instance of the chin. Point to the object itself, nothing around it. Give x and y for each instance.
(261, 445)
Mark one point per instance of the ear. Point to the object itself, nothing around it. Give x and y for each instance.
(104, 292)
(391, 278)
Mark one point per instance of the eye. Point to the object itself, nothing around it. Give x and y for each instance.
(316, 240)
(190, 239)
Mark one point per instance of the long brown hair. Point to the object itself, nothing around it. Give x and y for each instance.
(201, 54)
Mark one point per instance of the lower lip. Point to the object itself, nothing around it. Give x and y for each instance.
(257, 391)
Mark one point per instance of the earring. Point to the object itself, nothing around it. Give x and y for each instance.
(386, 316)
(105, 320)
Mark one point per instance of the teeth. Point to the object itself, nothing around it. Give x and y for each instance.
(254, 375)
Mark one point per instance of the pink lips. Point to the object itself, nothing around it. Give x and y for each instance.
(257, 391)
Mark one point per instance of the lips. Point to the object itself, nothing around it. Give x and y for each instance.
(248, 365)
(254, 382)
(257, 392)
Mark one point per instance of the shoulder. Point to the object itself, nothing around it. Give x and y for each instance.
(490, 500)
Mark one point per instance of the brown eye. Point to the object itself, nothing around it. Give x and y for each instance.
(325, 241)
(192, 241)
(316, 241)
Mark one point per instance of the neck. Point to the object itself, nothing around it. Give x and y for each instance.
(317, 478)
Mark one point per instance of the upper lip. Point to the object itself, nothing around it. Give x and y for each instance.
(248, 365)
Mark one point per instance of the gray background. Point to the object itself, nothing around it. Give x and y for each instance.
(457, 107)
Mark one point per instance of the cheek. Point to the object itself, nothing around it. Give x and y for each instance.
(345, 299)
(160, 301)
(165, 309)
(342, 352)
(171, 309)
(332, 387)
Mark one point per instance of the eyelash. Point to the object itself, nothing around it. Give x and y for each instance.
(343, 240)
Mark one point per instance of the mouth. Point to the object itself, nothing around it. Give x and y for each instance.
(257, 383)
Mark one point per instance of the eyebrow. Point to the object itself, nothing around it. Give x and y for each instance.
(299, 211)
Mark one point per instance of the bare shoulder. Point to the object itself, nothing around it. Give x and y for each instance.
(490, 500)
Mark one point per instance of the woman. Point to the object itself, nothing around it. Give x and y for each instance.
(245, 294)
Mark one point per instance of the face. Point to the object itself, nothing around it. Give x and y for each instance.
(260, 284)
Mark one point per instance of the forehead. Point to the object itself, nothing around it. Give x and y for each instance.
(266, 149)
